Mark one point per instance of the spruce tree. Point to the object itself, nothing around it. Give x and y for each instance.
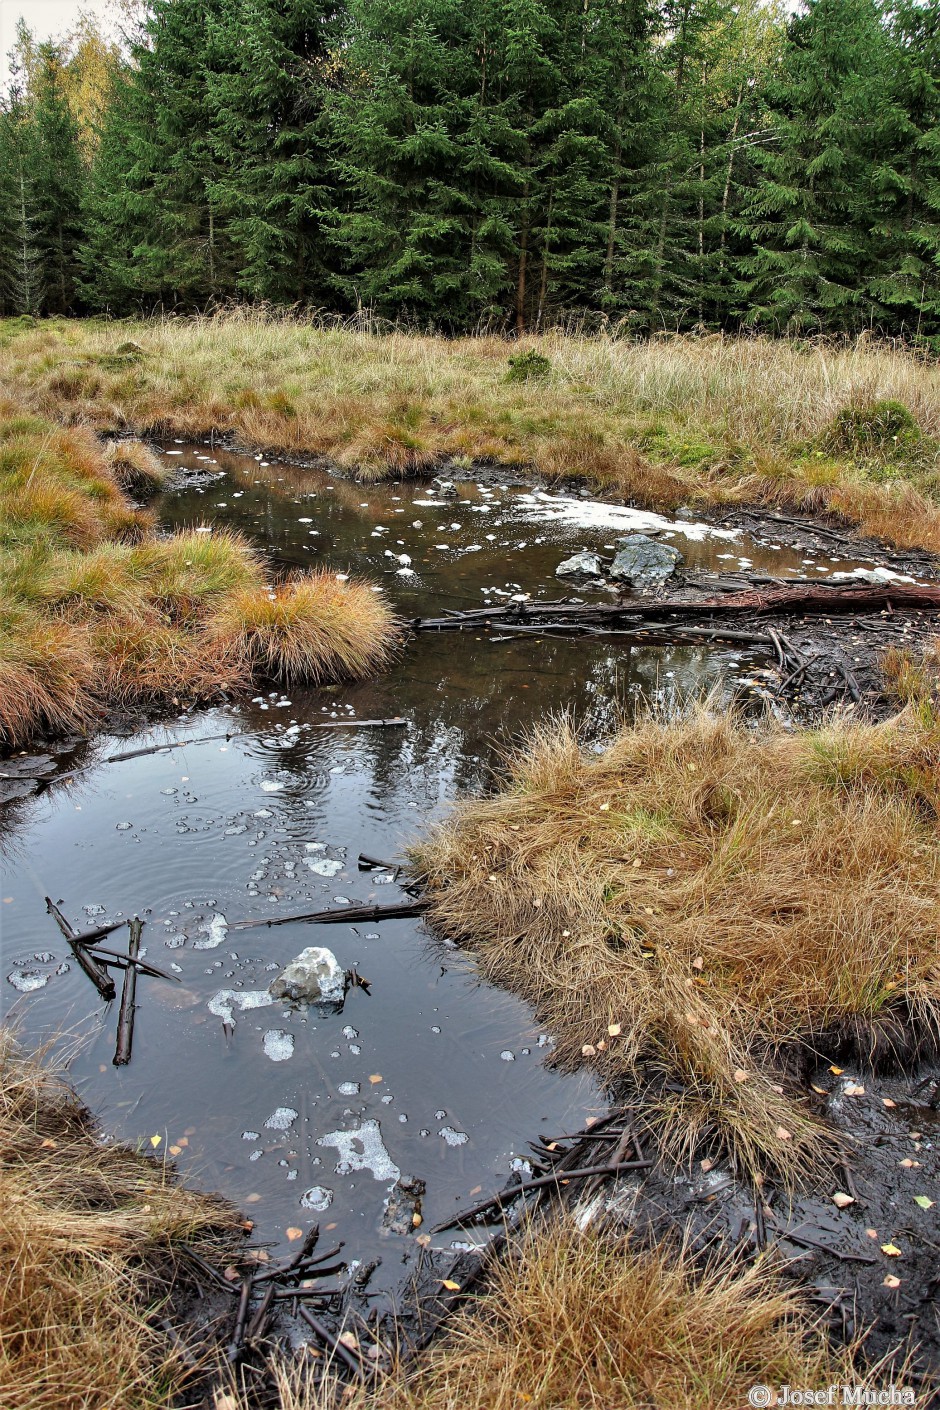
(153, 215)
(906, 285)
(58, 179)
(266, 77)
(814, 208)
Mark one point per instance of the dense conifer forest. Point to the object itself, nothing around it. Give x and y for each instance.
(659, 165)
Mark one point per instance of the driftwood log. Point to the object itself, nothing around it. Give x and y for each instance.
(125, 1028)
(96, 972)
(816, 599)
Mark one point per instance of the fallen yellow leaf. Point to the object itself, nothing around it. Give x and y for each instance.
(450, 1285)
(294, 1233)
(176, 1150)
(891, 1250)
(783, 1134)
(698, 962)
(886, 1101)
(740, 1075)
(376, 1077)
(614, 1030)
(155, 1141)
(416, 1220)
(837, 1070)
(842, 1200)
(891, 1281)
(588, 1050)
(349, 1339)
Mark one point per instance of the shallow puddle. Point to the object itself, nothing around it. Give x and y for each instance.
(301, 1115)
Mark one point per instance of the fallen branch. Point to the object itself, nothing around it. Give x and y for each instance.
(560, 1177)
(339, 1348)
(98, 975)
(125, 1029)
(114, 957)
(334, 916)
(812, 598)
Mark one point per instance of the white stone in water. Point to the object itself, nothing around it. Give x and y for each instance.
(314, 976)
(324, 866)
(348, 1089)
(452, 1137)
(281, 1120)
(214, 932)
(278, 1045)
(507, 1056)
(225, 1001)
(372, 1155)
(95, 910)
(317, 1197)
(270, 785)
(26, 980)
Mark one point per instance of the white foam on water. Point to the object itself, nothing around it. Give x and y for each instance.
(278, 1045)
(281, 1120)
(226, 1001)
(213, 932)
(317, 1197)
(324, 866)
(372, 1155)
(26, 980)
(542, 508)
(452, 1137)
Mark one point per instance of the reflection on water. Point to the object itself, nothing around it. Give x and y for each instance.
(300, 1114)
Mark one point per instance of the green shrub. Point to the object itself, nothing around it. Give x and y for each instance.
(879, 429)
(528, 366)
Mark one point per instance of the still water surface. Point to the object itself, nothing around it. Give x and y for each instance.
(440, 1076)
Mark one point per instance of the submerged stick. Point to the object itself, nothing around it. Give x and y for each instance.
(125, 1030)
(88, 937)
(400, 911)
(98, 975)
(339, 1348)
(540, 1182)
(114, 957)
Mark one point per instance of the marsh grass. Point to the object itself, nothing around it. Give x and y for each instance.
(89, 1235)
(594, 1322)
(97, 612)
(713, 420)
(706, 901)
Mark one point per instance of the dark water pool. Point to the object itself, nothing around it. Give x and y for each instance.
(439, 1076)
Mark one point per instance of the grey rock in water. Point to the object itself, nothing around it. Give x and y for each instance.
(581, 565)
(643, 563)
(314, 977)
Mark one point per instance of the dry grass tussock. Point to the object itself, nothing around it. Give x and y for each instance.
(87, 1239)
(705, 899)
(714, 420)
(581, 1320)
(97, 612)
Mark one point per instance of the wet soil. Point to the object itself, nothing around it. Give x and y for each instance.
(308, 1116)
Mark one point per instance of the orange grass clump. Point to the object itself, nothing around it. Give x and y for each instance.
(97, 612)
(88, 1236)
(707, 899)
